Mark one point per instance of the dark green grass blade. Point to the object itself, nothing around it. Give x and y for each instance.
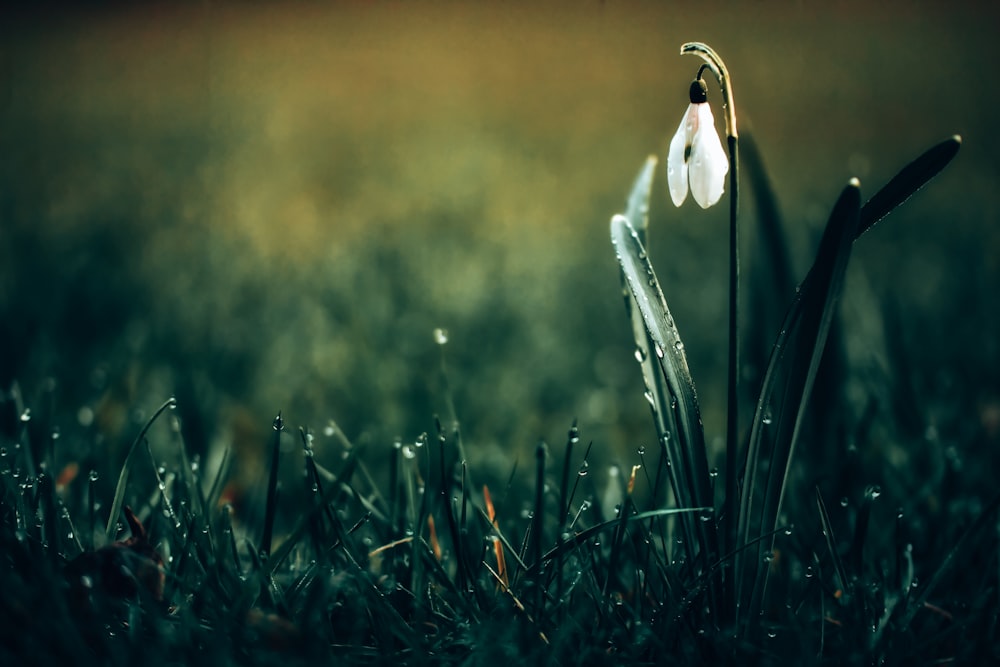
(446, 507)
(857, 557)
(791, 372)
(572, 438)
(271, 509)
(831, 543)
(191, 482)
(581, 537)
(537, 522)
(221, 473)
(903, 185)
(962, 544)
(119, 497)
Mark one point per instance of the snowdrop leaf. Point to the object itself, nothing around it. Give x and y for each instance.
(637, 206)
(791, 373)
(910, 178)
(669, 385)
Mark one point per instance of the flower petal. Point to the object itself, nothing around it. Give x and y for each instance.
(709, 163)
(677, 168)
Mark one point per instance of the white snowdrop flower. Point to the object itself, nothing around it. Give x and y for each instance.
(696, 154)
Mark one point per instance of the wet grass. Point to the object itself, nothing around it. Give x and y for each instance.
(324, 564)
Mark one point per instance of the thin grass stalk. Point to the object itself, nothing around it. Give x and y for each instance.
(536, 529)
(446, 507)
(861, 529)
(91, 508)
(314, 488)
(271, 508)
(46, 503)
(215, 490)
(572, 437)
(583, 536)
(935, 580)
(119, 497)
(191, 481)
(831, 543)
(395, 462)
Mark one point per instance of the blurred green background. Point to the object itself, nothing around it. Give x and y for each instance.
(272, 206)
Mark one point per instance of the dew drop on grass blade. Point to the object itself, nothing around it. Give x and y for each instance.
(119, 498)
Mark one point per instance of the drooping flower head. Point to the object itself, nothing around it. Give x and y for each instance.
(696, 156)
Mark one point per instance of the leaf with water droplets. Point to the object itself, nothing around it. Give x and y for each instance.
(670, 388)
(790, 376)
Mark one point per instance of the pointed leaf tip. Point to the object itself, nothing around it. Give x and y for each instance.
(910, 178)
(637, 204)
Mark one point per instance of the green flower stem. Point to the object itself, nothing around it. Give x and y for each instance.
(714, 64)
